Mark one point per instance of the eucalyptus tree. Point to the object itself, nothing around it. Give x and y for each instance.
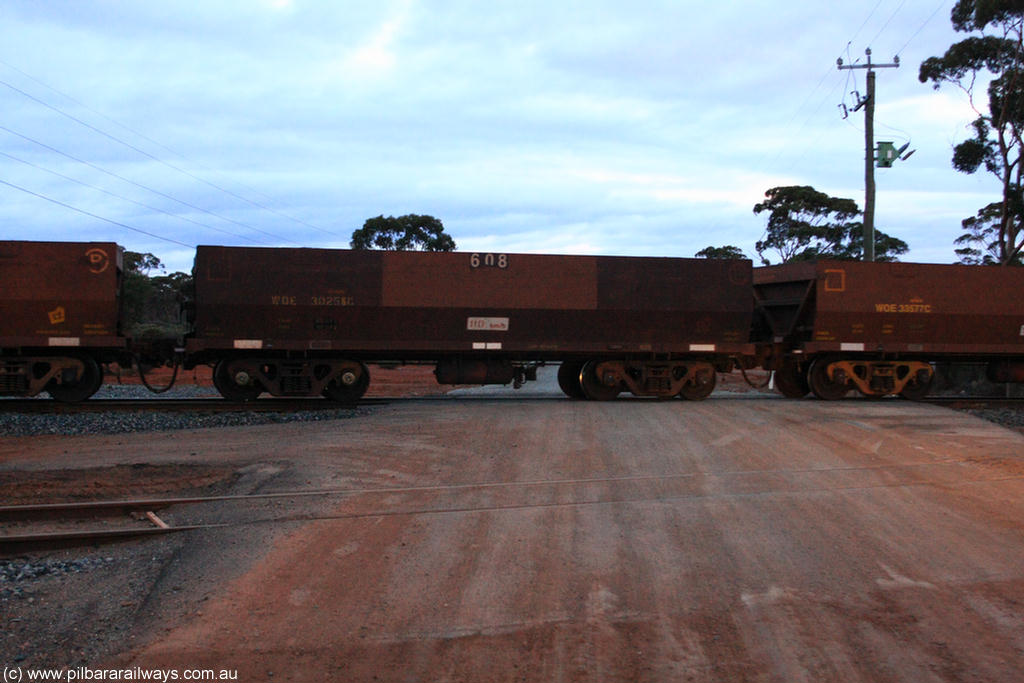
(992, 55)
(409, 232)
(727, 252)
(805, 224)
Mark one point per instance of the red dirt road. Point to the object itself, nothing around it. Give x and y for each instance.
(734, 539)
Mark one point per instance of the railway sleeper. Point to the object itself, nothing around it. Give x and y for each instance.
(910, 378)
(691, 379)
(244, 379)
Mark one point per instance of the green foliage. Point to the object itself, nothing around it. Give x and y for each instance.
(979, 245)
(996, 233)
(410, 232)
(804, 224)
(151, 304)
(140, 264)
(887, 247)
(726, 252)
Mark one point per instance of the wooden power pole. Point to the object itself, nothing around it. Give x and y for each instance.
(868, 102)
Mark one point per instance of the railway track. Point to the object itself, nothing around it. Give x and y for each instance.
(975, 402)
(220, 405)
(284, 405)
(213, 405)
(50, 526)
(32, 527)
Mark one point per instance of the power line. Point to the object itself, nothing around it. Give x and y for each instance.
(921, 27)
(138, 150)
(764, 162)
(851, 75)
(126, 199)
(121, 125)
(824, 76)
(886, 24)
(144, 187)
(97, 217)
(866, 20)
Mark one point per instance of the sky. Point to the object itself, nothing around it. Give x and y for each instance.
(602, 127)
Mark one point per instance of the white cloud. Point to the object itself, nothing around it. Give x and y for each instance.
(377, 56)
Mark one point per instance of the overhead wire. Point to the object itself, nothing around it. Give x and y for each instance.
(878, 34)
(146, 154)
(144, 187)
(796, 113)
(829, 95)
(851, 74)
(865, 22)
(139, 134)
(136, 149)
(96, 216)
(813, 143)
(904, 134)
(126, 199)
(920, 28)
(886, 24)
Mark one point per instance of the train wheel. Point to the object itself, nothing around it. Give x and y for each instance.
(569, 379)
(230, 389)
(823, 387)
(791, 381)
(350, 387)
(699, 391)
(916, 391)
(86, 385)
(593, 387)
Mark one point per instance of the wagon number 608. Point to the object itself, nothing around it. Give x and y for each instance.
(488, 261)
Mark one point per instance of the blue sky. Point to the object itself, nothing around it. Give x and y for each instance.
(647, 128)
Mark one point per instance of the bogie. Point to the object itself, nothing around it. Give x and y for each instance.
(244, 379)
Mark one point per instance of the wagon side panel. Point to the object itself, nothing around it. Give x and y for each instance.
(919, 308)
(413, 303)
(58, 294)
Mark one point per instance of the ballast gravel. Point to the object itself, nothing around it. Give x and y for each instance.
(130, 421)
(1007, 417)
(14, 572)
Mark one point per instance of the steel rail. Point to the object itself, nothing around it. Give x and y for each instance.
(48, 540)
(962, 402)
(218, 405)
(13, 543)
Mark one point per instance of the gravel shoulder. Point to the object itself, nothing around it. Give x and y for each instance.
(734, 539)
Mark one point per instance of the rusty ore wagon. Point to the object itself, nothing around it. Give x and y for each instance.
(60, 317)
(833, 326)
(307, 321)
